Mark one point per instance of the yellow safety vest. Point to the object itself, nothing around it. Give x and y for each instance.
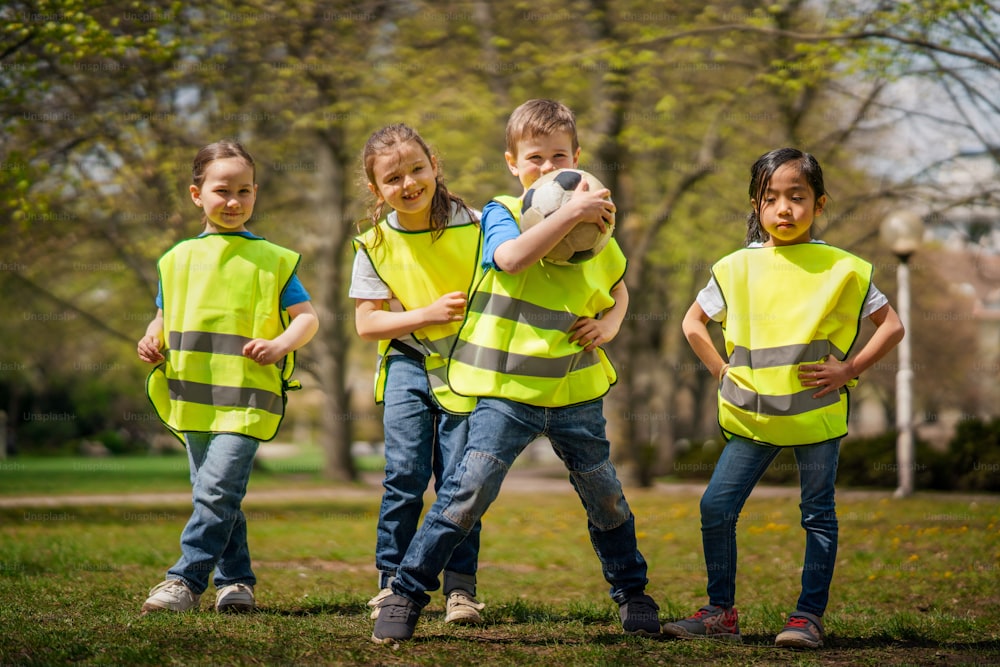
(419, 269)
(221, 291)
(787, 306)
(514, 343)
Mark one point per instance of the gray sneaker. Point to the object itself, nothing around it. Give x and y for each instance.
(171, 595)
(640, 616)
(462, 608)
(397, 618)
(709, 621)
(235, 599)
(803, 630)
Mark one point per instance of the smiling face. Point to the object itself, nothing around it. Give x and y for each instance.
(405, 178)
(788, 207)
(538, 155)
(227, 195)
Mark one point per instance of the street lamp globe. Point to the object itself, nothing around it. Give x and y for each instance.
(902, 232)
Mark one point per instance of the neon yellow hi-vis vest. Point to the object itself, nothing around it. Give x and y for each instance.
(514, 343)
(221, 291)
(419, 269)
(787, 306)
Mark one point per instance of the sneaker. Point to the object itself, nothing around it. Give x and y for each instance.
(709, 621)
(397, 618)
(462, 608)
(640, 616)
(377, 600)
(171, 595)
(235, 599)
(803, 630)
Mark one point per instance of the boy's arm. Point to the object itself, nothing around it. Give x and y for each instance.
(304, 325)
(375, 323)
(152, 342)
(695, 327)
(517, 254)
(591, 332)
(833, 374)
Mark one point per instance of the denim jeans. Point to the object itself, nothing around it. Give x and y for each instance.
(421, 440)
(499, 430)
(215, 537)
(741, 465)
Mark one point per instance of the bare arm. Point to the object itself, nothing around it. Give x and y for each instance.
(515, 255)
(152, 342)
(375, 323)
(832, 374)
(591, 332)
(300, 331)
(695, 327)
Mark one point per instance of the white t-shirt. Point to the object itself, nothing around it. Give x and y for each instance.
(365, 283)
(711, 301)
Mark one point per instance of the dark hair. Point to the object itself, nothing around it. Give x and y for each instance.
(220, 150)
(386, 139)
(760, 178)
(540, 117)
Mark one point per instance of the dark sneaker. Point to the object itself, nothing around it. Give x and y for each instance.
(709, 621)
(639, 616)
(803, 630)
(397, 618)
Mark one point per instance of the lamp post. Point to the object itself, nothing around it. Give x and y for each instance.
(902, 231)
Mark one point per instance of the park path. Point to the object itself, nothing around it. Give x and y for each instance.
(541, 479)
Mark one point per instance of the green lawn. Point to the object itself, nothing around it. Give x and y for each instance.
(917, 580)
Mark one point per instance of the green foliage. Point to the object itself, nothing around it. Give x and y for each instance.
(103, 106)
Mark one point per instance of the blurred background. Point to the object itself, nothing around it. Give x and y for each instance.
(104, 105)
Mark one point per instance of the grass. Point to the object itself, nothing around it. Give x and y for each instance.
(916, 580)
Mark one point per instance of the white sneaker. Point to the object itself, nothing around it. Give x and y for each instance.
(463, 609)
(171, 595)
(377, 600)
(235, 599)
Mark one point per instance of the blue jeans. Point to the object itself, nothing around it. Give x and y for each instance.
(421, 440)
(499, 430)
(740, 467)
(215, 537)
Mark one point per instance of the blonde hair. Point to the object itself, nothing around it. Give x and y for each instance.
(540, 117)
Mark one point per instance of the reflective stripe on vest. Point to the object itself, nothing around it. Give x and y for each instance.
(787, 306)
(514, 343)
(419, 269)
(221, 291)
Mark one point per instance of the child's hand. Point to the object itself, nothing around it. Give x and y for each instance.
(264, 352)
(589, 333)
(448, 308)
(149, 349)
(593, 206)
(831, 374)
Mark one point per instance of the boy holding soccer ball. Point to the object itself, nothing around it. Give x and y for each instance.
(527, 389)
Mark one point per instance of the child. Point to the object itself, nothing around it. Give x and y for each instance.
(231, 312)
(790, 309)
(412, 272)
(527, 389)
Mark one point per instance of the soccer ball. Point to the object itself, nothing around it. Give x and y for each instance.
(550, 192)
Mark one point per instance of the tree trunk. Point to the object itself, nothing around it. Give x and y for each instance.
(335, 433)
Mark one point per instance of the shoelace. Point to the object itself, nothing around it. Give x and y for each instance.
(797, 622)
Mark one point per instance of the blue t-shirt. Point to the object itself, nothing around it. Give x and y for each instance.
(293, 293)
(498, 226)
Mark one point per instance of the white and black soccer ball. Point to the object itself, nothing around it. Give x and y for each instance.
(545, 197)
